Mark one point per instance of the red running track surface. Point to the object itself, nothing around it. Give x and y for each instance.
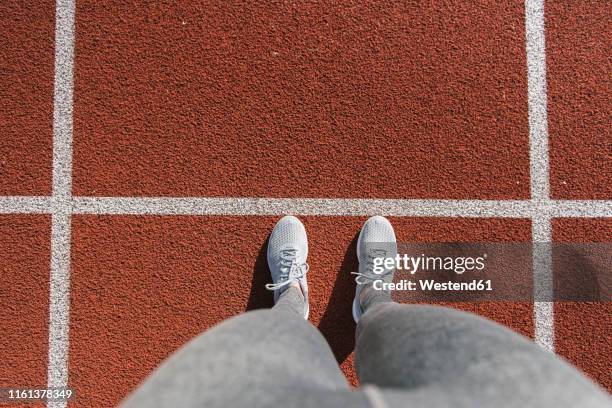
(227, 99)
(301, 100)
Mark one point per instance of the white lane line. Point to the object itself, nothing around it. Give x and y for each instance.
(59, 303)
(25, 205)
(62, 99)
(59, 307)
(540, 171)
(579, 208)
(543, 307)
(536, 100)
(311, 206)
(339, 206)
(300, 206)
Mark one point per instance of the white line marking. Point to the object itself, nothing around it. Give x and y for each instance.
(300, 206)
(25, 205)
(311, 206)
(59, 303)
(536, 101)
(338, 206)
(579, 208)
(543, 306)
(62, 99)
(59, 308)
(540, 171)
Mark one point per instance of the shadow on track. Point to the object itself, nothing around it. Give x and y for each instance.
(337, 323)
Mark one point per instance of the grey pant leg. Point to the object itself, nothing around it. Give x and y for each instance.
(440, 357)
(263, 358)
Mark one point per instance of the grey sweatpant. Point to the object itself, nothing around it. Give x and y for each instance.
(406, 356)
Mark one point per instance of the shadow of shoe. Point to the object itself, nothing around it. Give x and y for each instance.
(260, 297)
(337, 324)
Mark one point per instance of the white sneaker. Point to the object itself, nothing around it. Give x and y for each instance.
(287, 253)
(376, 240)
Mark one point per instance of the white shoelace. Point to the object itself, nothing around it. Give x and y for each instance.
(369, 275)
(290, 270)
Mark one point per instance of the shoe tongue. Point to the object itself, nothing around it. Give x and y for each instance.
(380, 249)
(290, 253)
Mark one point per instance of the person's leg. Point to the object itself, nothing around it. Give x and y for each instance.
(259, 359)
(263, 358)
(461, 359)
(440, 357)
